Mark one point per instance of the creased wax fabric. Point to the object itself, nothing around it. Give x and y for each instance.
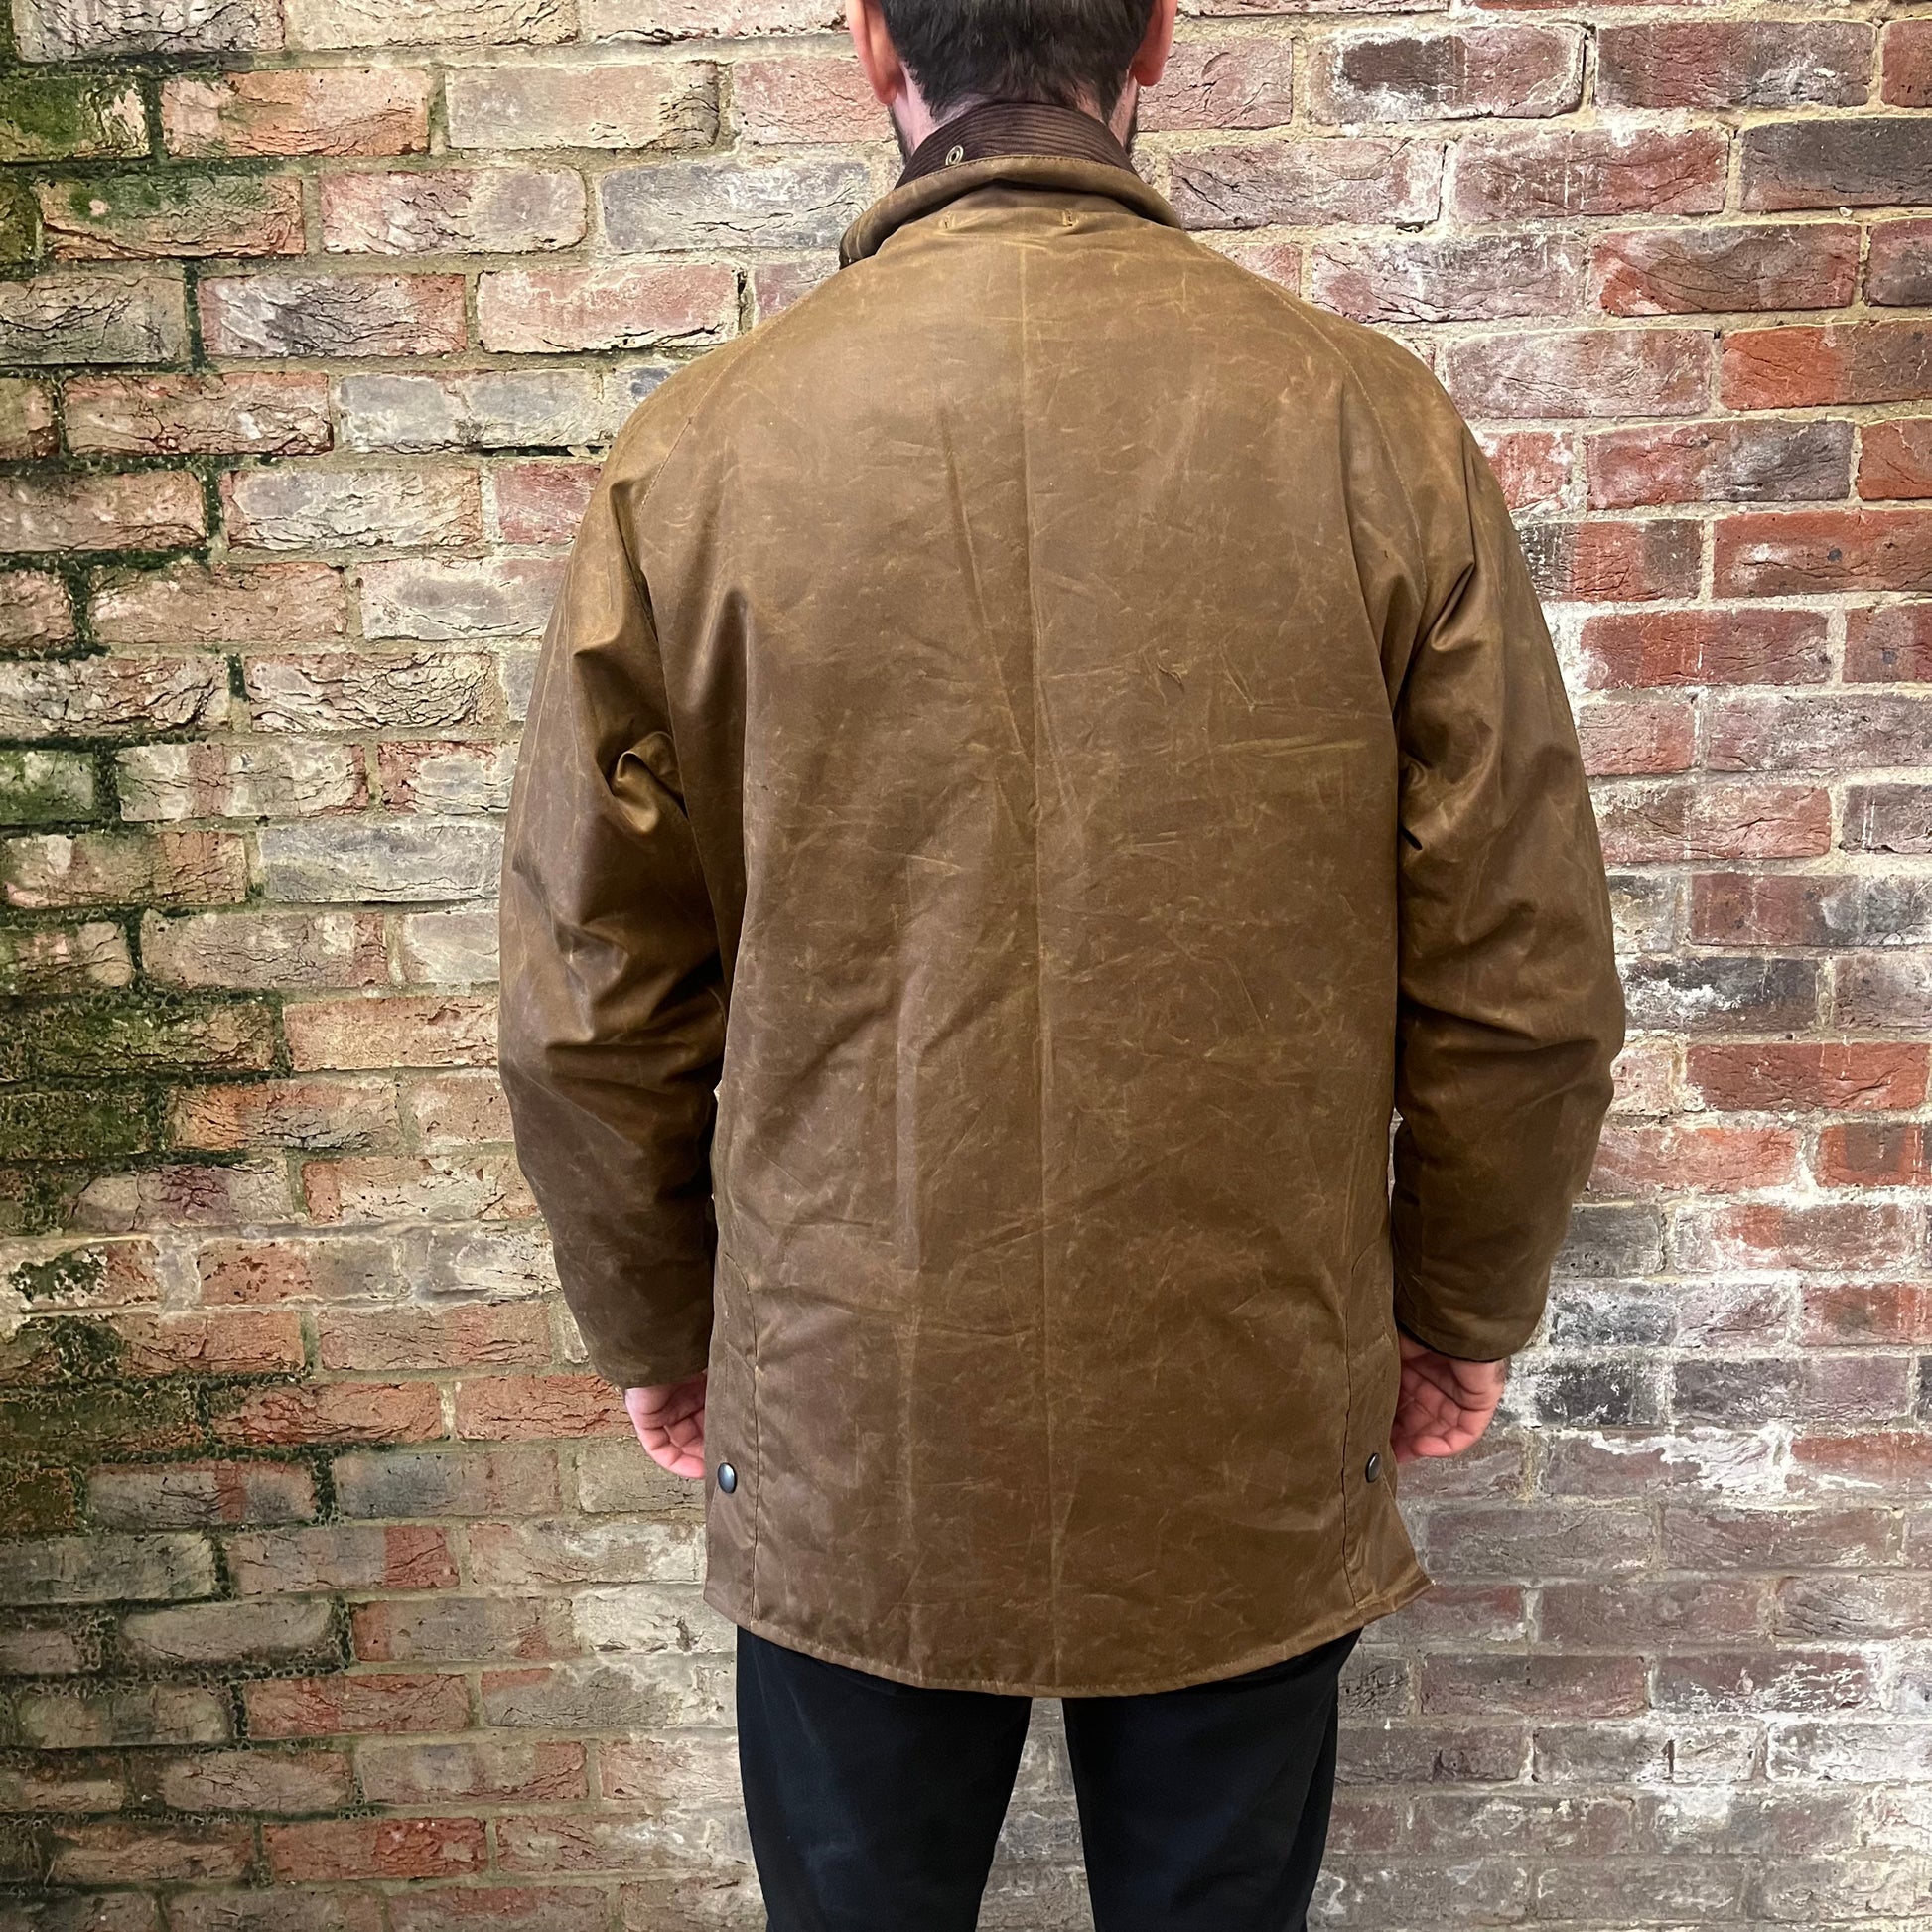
(1042, 745)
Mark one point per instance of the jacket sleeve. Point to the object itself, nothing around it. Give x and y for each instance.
(613, 1025)
(1510, 1013)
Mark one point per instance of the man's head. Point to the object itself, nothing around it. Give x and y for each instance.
(928, 60)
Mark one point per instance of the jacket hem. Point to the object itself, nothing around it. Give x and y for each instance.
(1384, 1602)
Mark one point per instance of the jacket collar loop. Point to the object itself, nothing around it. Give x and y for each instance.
(1028, 143)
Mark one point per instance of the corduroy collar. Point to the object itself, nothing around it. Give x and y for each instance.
(1028, 143)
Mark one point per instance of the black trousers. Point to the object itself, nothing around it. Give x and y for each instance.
(874, 1806)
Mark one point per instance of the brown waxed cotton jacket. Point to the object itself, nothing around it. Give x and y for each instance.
(1085, 715)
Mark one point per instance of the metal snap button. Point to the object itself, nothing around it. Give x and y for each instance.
(1372, 1471)
(955, 154)
(727, 1478)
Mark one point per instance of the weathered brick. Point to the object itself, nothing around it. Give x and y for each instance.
(1622, 562)
(1810, 909)
(818, 97)
(1565, 173)
(1310, 184)
(550, 310)
(292, 110)
(1845, 1237)
(149, 509)
(1619, 372)
(158, 216)
(531, 1556)
(452, 602)
(338, 1412)
(1738, 645)
(473, 1337)
(450, 948)
(285, 313)
(1763, 461)
(253, 1780)
(1734, 64)
(26, 427)
(488, 211)
(1835, 162)
(332, 1706)
(1890, 644)
(61, 29)
(486, 409)
(329, 1909)
(185, 1194)
(438, 1483)
(725, 203)
(541, 502)
(415, 23)
(1906, 53)
(1649, 824)
(511, 1409)
(454, 1110)
(262, 1271)
(53, 117)
(248, 413)
(298, 1562)
(200, 1495)
(64, 959)
(111, 1852)
(1800, 1076)
(398, 860)
(1887, 818)
(1635, 1162)
(1873, 1154)
(121, 1713)
(289, 507)
(76, 315)
(106, 1569)
(111, 697)
(609, 1694)
(1898, 264)
(375, 1848)
(1691, 271)
(1448, 278)
(1732, 993)
(314, 1114)
(440, 1187)
(461, 1630)
(33, 609)
(121, 868)
(652, 104)
(1407, 74)
(294, 778)
(491, 1770)
(1813, 732)
(353, 691)
(190, 603)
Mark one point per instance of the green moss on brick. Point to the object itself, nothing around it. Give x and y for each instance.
(133, 1035)
(37, 1496)
(61, 1348)
(46, 788)
(19, 225)
(176, 214)
(59, 116)
(89, 1422)
(40, 1201)
(69, 1124)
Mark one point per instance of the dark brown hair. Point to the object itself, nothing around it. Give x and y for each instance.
(1075, 53)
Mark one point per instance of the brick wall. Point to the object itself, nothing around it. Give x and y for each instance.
(338, 1589)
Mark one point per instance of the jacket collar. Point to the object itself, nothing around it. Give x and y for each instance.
(1028, 143)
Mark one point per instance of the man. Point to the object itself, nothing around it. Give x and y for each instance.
(1044, 747)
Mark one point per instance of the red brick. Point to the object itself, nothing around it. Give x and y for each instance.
(284, 1113)
(1406, 73)
(1892, 643)
(291, 312)
(1893, 1459)
(1694, 271)
(341, 1412)
(1856, 731)
(1734, 64)
(1896, 458)
(433, 212)
(391, 1187)
(1809, 909)
(158, 217)
(613, 304)
(150, 510)
(777, 285)
(33, 609)
(1546, 1685)
(210, 1344)
(375, 1848)
(198, 604)
(1343, 179)
(819, 98)
(1563, 174)
(491, 1770)
(1809, 552)
(543, 502)
(265, 1271)
(341, 1556)
(1615, 562)
(1799, 1077)
(1448, 278)
(1641, 1162)
(635, 105)
(249, 412)
(1836, 161)
(398, 1029)
(342, 1706)
(1672, 823)
(1532, 465)
(1806, 365)
(1896, 1313)
(483, 1335)
(531, 1408)
(1835, 1237)
(290, 110)
(108, 1852)
(1905, 54)
(463, 1629)
(564, 1909)
(1772, 645)
(1887, 818)
(1209, 85)
(1898, 264)
(1875, 1154)
(1636, 738)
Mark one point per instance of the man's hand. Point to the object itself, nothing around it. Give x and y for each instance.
(1444, 1403)
(670, 1423)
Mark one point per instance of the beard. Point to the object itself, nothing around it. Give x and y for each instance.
(1126, 140)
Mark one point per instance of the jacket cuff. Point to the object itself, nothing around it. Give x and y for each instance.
(1493, 1343)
